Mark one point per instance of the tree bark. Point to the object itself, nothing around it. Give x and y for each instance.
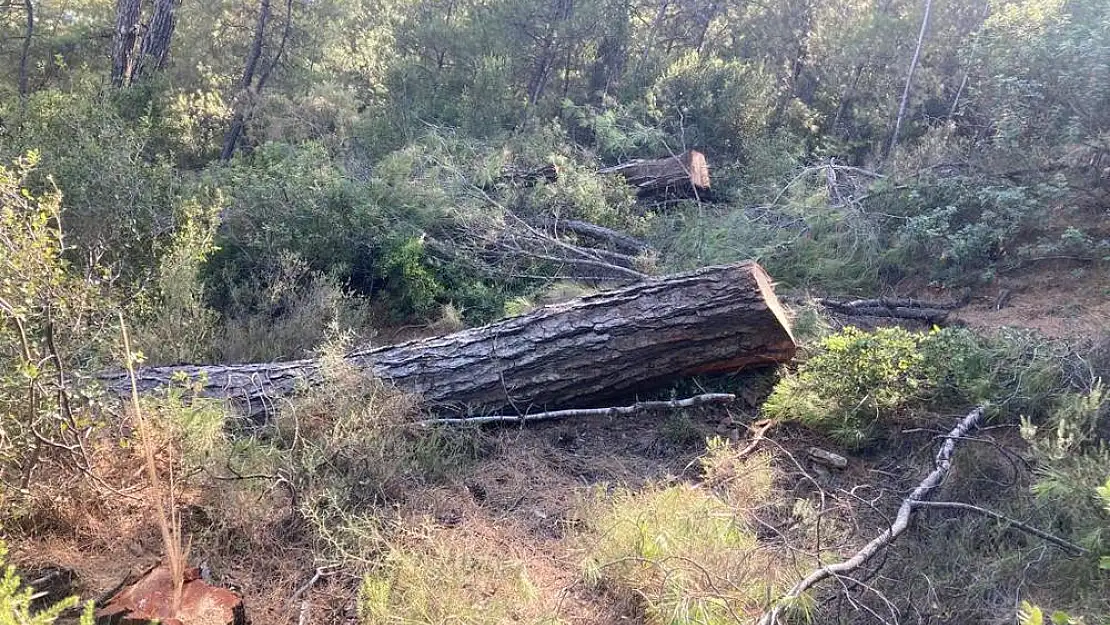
(909, 75)
(155, 47)
(683, 174)
(127, 33)
(574, 354)
(246, 89)
(25, 53)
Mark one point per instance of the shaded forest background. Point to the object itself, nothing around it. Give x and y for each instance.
(255, 180)
(221, 160)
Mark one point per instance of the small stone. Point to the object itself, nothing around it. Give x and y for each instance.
(827, 458)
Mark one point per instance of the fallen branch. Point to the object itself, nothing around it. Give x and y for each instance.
(613, 411)
(619, 240)
(888, 302)
(900, 524)
(1056, 540)
(893, 308)
(759, 431)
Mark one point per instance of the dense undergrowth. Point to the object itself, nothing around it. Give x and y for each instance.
(379, 169)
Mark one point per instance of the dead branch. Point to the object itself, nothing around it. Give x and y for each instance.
(901, 522)
(1056, 540)
(618, 240)
(613, 411)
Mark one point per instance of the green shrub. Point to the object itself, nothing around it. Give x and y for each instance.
(686, 555)
(16, 601)
(856, 380)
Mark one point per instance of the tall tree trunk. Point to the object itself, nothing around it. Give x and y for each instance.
(246, 89)
(563, 9)
(25, 54)
(909, 76)
(704, 19)
(127, 33)
(155, 47)
(649, 40)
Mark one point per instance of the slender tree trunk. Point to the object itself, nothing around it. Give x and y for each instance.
(127, 33)
(246, 89)
(25, 54)
(264, 77)
(155, 47)
(548, 57)
(909, 76)
(704, 20)
(649, 42)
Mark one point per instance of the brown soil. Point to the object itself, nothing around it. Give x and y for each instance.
(1062, 300)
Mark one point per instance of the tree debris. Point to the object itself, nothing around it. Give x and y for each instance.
(613, 411)
(901, 522)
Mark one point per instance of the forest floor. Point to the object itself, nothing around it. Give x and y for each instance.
(519, 502)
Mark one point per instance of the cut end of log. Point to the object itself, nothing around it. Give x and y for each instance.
(151, 598)
(680, 174)
(767, 289)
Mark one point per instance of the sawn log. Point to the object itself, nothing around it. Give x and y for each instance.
(573, 354)
(684, 174)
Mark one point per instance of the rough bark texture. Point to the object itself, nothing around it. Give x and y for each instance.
(574, 354)
(123, 48)
(155, 48)
(686, 174)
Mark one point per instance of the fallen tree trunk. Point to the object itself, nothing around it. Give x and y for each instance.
(568, 355)
(685, 174)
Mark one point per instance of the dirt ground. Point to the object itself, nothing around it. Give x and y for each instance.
(520, 498)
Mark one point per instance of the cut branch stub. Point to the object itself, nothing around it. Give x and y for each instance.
(574, 354)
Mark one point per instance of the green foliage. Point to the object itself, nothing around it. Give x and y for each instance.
(856, 380)
(116, 188)
(47, 315)
(16, 602)
(685, 553)
(967, 228)
(711, 102)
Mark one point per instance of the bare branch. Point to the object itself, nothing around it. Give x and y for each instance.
(900, 524)
(1056, 540)
(614, 411)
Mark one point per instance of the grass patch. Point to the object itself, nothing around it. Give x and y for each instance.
(681, 553)
(435, 575)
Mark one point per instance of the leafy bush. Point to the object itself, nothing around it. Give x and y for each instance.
(856, 380)
(964, 228)
(51, 319)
